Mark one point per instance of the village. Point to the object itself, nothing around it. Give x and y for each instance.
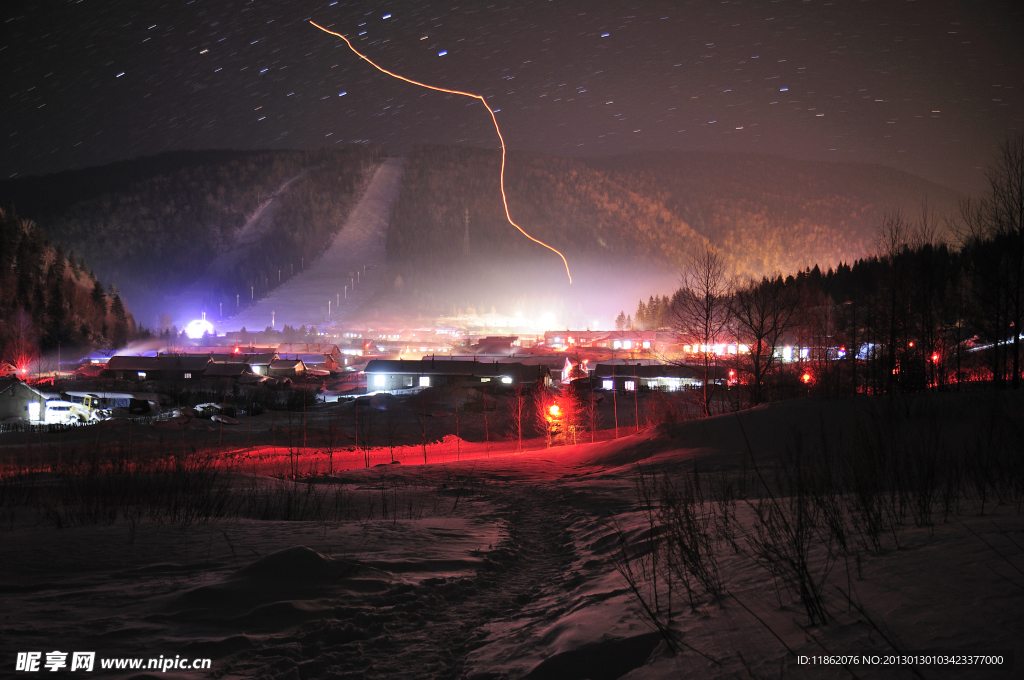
(235, 390)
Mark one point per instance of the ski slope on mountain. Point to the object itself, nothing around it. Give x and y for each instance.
(354, 261)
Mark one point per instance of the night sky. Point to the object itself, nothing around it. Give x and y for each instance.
(928, 87)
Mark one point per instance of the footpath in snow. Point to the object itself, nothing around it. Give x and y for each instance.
(510, 566)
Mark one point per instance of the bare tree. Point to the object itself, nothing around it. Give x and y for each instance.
(364, 431)
(892, 242)
(392, 421)
(421, 418)
(517, 409)
(571, 416)
(764, 311)
(592, 414)
(547, 412)
(1006, 182)
(700, 311)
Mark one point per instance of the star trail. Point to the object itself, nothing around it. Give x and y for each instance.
(930, 90)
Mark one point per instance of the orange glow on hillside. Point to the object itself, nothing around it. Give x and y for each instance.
(494, 119)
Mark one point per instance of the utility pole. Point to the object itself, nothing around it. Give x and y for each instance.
(615, 398)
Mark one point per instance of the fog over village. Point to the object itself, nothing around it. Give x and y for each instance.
(558, 340)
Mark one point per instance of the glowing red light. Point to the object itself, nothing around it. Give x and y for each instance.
(554, 410)
(935, 358)
(806, 377)
(237, 350)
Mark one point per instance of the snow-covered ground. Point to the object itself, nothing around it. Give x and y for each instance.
(505, 565)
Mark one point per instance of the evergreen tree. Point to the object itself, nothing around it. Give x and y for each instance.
(99, 297)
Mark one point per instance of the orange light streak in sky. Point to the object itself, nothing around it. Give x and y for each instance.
(504, 198)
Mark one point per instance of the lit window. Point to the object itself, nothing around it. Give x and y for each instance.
(33, 410)
(424, 381)
(804, 352)
(647, 344)
(379, 381)
(188, 376)
(506, 380)
(142, 375)
(627, 344)
(616, 344)
(608, 384)
(483, 380)
(787, 353)
(631, 385)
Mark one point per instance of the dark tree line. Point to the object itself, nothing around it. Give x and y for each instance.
(50, 300)
(919, 314)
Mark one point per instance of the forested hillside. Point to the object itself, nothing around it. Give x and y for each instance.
(768, 214)
(50, 300)
(579, 210)
(764, 214)
(153, 225)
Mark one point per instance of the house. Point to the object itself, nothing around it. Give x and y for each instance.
(628, 378)
(387, 375)
(499, 345)
(7, 369)
(322, 356)
(227, 371)
(259, 362)
(21, 401)
(319, 362)
(633, 341)
(164, 367)
(319, 356)
(287, 368)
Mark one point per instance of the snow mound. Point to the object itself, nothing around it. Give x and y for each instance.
(286, 577)
(296, 563)
(630, 449)
(600, 660)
